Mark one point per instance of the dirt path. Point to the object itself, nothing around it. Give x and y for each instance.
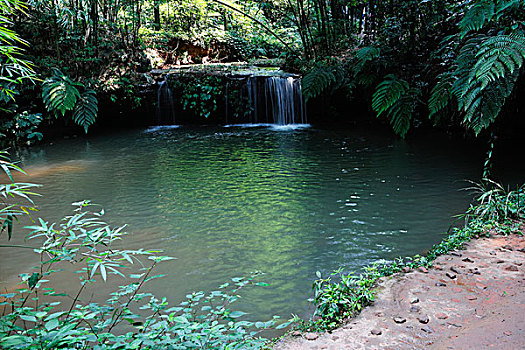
(473, 299)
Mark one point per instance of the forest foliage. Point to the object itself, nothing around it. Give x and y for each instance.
(452, 63)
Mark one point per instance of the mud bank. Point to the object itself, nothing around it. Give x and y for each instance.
(470, 299)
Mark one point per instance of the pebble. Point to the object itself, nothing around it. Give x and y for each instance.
(442, 316)
(474, 271)
(455, 270)
(508, 247)
(415, 308)
(376, 331)
(311, 336)
(456, 254)
(399, 319)
(499, 261)
(450, 275)
(427, 329)
(438, 267)
(440, 284)
(512, 268)
(472, 297)
(296, 333)
(423, 269)
(469, 260)
(507, 333)
(492, 253)
(414, 300)
(406, 269)
(423, 319)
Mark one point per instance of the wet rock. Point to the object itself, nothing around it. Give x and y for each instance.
(469, 260)
(427, 329)
(423, 269)
(399, 319)
(376, 331)
(414, 300)
(455, 270)
(311, 336)
(457, 325)
(456, 254)
(442, 316)
(441, 284)
(451, 275)
(423, 319)
(415, 308)
(511, 268)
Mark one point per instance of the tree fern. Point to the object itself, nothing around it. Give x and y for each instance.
(397, 100)
(86, 109)
(60, 93)
(317, 81)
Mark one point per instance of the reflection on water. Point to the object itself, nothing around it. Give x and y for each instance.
(228, 201)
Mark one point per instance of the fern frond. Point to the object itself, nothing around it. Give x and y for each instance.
(441, 93)
(498, 56)
(484, 105)
(388, 92)
(60, 93)
(364, 55)
(400, 113)
(317, 81)
(86, 109)
(476, 16)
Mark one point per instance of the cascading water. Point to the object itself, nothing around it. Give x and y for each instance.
(273, 99)
(165, 106)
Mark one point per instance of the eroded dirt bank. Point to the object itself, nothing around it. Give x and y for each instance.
(470, 299)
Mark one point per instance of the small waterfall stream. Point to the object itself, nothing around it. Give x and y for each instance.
(165, 114)
(273, 99)
(256, 97)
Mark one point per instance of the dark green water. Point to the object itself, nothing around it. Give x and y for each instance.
(227, 201)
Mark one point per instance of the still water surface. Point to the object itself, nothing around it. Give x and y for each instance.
(227, 201)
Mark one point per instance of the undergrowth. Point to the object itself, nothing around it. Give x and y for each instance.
(341, 296)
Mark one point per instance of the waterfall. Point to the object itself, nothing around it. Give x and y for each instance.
(165, 107)
(273, 99)
(284, 100)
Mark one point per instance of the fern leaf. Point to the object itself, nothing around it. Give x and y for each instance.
(364, 55)
(400, 114)
(60, 93)
(441, 93)
(317, 81)
(86, 109)
(484, 105)
(497, 57)
(476, 16)
(388, 92)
